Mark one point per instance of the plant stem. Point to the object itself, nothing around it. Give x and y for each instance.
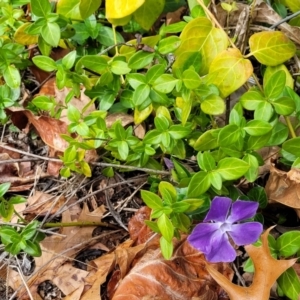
(257, 83)
(290, 126)
(84, 223)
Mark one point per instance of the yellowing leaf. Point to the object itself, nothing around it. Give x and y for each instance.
(200, 35)
(267, 270)
(120, 22)
(271, 70)
(69, 9)
(24, 38)
(229, 71)
(271, 48)
(140, 116)
(293, 5)
(147, 14)
(117, 9)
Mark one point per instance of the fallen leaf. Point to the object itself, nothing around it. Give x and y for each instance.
(267, 270)
(284, 187)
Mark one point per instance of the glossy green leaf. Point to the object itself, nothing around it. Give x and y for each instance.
(213, 105)
(51, 33)
(293, 5)
(88, 7)
(178, 132)
(292, 146)
(251, 99)
(198, 185)
(119, 67)
(166, 248)
(168, 44)
(185, 60)
(140, 94)
(259, 194)
(44, 103)
(289, 284)
(73, 114)
(252, 173)
(94, 63)
(41, 8)
(166, 227)
(228, 135)
(151, 199)
(264, 111)
(200, 35)
(154, 72)
(140, 60)
(279, 135)
(215, 180)
(148, 13)
(69, 9)
(207, 141)
(257, 127)
(33, 248)
(289, 81)
(4, 187)
(165, 83)
(288, 243)
(45, 63)
(228, 71)
(206, 161)
(231, 168)
(191, 79)
(167, 191)
(257, 142)
(69, 60)
(271, 48)
(275, 85)
(284, 106)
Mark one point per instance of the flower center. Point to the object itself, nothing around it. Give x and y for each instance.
(225, 227)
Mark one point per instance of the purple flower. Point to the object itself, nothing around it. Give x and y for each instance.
(211, 237)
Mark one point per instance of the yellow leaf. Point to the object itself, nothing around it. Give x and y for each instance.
(229, 71)
(120, 22)
(271, 48)
(140, 116)
(117, 9)
(271, 70)
(24, 38)
(267, 270)
(200, 35)
(69, 9)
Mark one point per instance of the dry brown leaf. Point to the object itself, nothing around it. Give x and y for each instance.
(49, 129)
(284, 187)
(267, 270)
(41, 203)
(182, 277)
(56, 251)
(93, 216)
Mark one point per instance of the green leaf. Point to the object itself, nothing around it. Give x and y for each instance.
(153, 73)
(151, 200)
(271, 48)
(207, 141)
(252, 173)
(88, 7)
(29, 231)
(289, 284)
(257, 142)
(140, 60)
(166, 248)
(41, 8)
(270, 71)
(191, 79)
(168, 44)
(73, 113)
(275, 85)
(201, 36)
(293, 5)
(215, 180)
(69, 60)
(12, 76)
(206, 161)
(228, 71)
(166, 227)
(4, 187)
(123, 149)
(161, 123)
(284, 106)
(33, 248)
(257, 128)
(264, 111)
(167, 191)
(198, 185)
(231, 168)
(251, 99)
(292, 146)
(279, 135)
(213, 105)
(165, 83)
(152, 225)
(17, 200)
(180, 207)
(178, 132)
(51, 33)
(45, 63)
(69, 9)
(259, 194)
(140, 94)
(94, 63)
(82, 129)
(288, 243)
(119, 67)
(148, 13)
(228, 135)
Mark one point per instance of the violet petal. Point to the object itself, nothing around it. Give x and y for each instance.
(246, 233)
(201, 236)
(242, 210)
(219, 209)
(221, 250)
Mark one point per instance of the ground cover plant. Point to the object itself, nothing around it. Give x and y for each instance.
(149, 148)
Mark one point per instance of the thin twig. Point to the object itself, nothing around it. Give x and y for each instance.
(285, 19)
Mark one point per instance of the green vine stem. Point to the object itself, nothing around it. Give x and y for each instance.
(81, 224)
(290, 126)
